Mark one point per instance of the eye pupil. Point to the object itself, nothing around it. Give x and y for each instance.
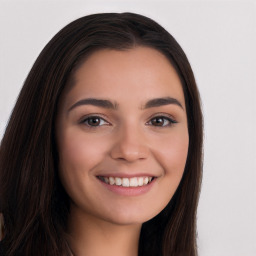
(94, 121)
(158, 121)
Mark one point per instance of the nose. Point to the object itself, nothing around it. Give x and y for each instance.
(129, 145)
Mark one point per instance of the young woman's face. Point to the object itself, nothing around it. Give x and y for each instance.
(122, 135)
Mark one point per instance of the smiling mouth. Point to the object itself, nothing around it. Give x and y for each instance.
(127, 182)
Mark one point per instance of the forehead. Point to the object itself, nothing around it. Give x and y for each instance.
(138, 73)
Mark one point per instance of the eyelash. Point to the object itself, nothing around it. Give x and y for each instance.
(87, 118)
(168, 119)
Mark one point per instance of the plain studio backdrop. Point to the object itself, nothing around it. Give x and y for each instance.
(219, 40)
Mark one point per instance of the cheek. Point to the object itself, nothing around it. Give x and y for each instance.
(172, 152)
(79, 154)
(80, 151)
(172, 156)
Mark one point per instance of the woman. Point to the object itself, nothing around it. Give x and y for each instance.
(103, 151)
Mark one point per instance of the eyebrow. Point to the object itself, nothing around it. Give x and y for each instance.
(95, 102)
(110, 105)
(161, 102)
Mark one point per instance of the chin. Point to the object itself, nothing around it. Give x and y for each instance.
(130, 217)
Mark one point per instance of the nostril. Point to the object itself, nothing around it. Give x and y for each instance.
(129, 153)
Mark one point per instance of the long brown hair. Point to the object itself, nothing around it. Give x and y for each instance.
(32, 200)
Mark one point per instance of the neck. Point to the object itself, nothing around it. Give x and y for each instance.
(90, 236)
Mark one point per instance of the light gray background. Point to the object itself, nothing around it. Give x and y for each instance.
(219, 39)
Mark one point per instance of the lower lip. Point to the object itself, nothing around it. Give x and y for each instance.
(128, 191)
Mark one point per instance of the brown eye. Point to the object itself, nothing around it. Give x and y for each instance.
(161, 121)
(94, 121)
(158, 121)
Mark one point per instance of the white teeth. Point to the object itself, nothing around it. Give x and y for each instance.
(111, 181)
(118, 181)
(140, 181)
(145, 181)
(127, 182)
(133, 182)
